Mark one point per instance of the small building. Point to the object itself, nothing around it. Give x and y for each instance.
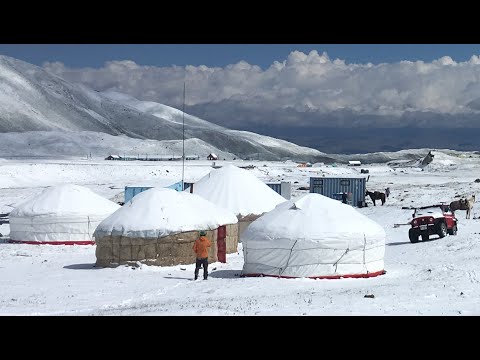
(160, 158)
(128, 158)
(334, 187)
(283, 188)
(113, 157)
(354, 163)
(212, 156)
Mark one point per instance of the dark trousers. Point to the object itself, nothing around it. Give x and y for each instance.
(198, 264)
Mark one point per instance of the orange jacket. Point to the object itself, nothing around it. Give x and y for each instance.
(201, 246)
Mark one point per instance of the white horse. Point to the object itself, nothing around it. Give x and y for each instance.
(470, 202)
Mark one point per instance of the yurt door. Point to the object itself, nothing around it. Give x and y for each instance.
(222, 244)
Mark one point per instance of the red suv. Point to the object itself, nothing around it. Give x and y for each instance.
(432, 220)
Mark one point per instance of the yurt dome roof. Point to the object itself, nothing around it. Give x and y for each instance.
(314, 217)
(159, 212)
(237, 190)
(65, 200)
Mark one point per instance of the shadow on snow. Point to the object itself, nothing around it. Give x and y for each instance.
(82, 267)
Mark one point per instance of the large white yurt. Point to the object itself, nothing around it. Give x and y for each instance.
(239, 191)
(60, 215)
(314, 237)
(160, 225)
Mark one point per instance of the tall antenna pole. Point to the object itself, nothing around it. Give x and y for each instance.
(183, 139)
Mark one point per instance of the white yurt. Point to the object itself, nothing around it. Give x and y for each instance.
(60, 215)
(314, 237)
(239, 191)
(160, 225)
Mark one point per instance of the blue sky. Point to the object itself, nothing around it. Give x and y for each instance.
(88, 55)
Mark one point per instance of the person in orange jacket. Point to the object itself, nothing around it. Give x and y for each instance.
(200, 247)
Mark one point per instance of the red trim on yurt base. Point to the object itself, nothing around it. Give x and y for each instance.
(86, 242)
(373, 274)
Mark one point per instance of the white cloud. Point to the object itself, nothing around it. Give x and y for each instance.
(304, 82)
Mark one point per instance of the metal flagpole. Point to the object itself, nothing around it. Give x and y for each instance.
(183, 140)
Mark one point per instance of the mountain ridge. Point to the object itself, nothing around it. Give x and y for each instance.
(32, 99)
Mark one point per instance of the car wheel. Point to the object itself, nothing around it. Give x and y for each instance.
(454, 229)
(413, 236)
(442, 230)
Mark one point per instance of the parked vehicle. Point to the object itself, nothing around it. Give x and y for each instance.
(432, 220)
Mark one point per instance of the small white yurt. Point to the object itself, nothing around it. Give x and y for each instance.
(159, 226)
(314, 237)
(239, 191)
(60, 215)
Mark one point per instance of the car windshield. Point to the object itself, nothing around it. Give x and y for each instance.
(430, 211)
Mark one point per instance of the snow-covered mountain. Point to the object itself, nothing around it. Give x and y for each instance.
(31, 99)
(411, 157)
(61, 144)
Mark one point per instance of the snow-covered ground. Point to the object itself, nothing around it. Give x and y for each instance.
(438, 277)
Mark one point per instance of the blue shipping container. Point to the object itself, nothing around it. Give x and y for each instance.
(283, 188)
(131, 191)
(334, 187)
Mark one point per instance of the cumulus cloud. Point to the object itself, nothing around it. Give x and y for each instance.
(302, 84)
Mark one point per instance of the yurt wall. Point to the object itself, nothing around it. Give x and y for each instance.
(175, 249)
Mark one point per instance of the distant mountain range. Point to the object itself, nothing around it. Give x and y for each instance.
(346, 131)
(68, 119)
(33, 100)
(368, 140)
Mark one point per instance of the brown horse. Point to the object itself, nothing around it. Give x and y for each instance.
(376, 195)
(463, 204)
